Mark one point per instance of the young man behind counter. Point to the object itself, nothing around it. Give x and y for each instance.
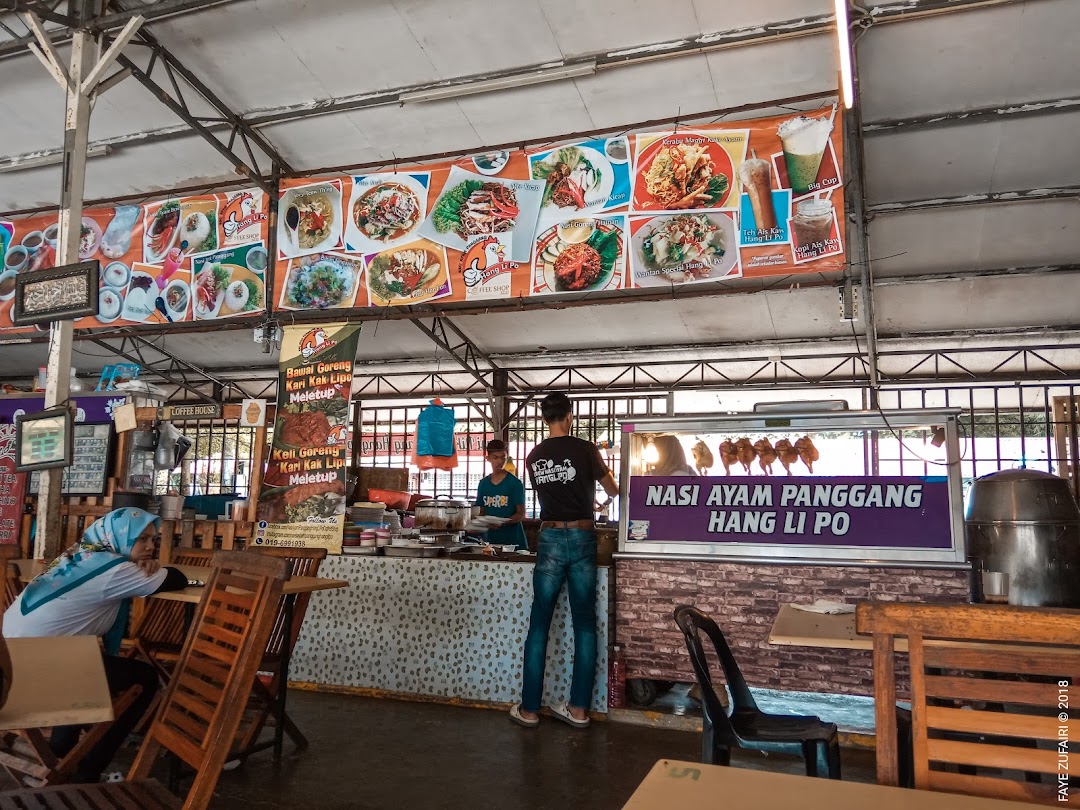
(502, 495)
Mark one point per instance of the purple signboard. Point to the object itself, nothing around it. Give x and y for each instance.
(90, 410)
(884, 511)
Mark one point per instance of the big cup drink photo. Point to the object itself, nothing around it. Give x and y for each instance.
(804, 141)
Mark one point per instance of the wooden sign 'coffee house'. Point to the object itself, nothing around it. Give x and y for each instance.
(58, 294)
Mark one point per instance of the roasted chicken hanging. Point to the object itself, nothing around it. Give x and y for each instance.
(808, 454)
(744, 451)
(728, 455)
(703, 457)
(786, 453)
(766, 455)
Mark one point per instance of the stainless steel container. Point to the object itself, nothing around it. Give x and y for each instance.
(1026, 524)
(442, 514)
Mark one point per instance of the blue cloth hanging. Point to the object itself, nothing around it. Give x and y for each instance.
(435, 431)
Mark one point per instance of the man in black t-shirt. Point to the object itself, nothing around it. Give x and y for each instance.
(564, 471)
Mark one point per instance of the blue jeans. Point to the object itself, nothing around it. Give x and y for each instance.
(563, 555)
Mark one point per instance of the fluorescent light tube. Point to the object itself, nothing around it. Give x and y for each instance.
(843, 41)
(501, 83)
(54, 159)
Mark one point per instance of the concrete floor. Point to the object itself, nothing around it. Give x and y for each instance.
(370, 754)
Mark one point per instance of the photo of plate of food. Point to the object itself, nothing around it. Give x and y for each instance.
(408, 275)
(177, 298)
(89, 238)
(321, 281)
(682, 248)
(385, 210)
(244, 293)
(210, 284)
(583, 255)
(109, 305)
(160, 231)
(683, 170)
(139, 299)
(578, 179)
(491, 162)
(309, 219)
(472, 205)
(198, 232)
(116, 275)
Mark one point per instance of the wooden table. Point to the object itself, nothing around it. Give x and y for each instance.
(801, 628)
(291, 587)
(56, 681)
(674, 785)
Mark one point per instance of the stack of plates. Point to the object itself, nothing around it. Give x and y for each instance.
(352, 535)
(359, 550)
(367, 513)
(392, 521)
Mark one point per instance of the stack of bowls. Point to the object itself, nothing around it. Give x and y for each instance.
(352, 536)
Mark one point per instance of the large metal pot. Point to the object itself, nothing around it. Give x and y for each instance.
(1026, 524)
(442, 514)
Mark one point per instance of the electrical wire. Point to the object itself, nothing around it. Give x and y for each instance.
(899, 436)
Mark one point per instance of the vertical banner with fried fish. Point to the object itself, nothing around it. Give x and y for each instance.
(302, 501)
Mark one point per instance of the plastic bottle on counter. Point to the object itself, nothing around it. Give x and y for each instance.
(617, 679)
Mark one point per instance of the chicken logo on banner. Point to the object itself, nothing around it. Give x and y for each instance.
(314, 342)
(241, 217)
(7, 442)
(338, 435)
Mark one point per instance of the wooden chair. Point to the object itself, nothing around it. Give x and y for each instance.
(158, 634)
(12, 583)
(201, 710)
(302, 562)
(967, 660)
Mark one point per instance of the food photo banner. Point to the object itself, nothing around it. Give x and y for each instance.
(185, 259)
(652, 210)
(302, 501)
(885, 511)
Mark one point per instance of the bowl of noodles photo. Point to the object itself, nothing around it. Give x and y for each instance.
(310, 219)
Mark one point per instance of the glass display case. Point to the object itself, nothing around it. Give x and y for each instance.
(836, 486)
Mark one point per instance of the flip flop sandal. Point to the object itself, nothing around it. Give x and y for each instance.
(561, 711)
(515, 715)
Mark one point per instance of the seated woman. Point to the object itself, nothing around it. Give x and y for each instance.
(88, 591)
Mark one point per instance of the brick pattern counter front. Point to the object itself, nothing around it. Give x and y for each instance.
(744, 600)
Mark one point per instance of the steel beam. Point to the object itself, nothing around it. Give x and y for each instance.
(174, 370)
(979, 115)
(606, 60)
(163, 9)
(1028, 195)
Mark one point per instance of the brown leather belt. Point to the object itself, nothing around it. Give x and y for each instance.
(567, 524)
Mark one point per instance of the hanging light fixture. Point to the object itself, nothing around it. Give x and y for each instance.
(843, 40)
(651, 455)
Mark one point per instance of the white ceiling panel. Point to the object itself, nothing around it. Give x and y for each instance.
(978, 304)
(321, 140)
(646, 91)
(997, 56)
(749, 75)
(1006, 155)
(513, 115)
(607, 25)
(972, 237)
(478, 36)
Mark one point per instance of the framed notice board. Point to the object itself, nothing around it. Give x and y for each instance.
(89, 470)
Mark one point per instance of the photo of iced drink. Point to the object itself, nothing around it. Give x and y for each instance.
(812, 224)
(804, 141)
(755, 175)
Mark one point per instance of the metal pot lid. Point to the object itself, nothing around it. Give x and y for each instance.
(1022, 495)
(442, 502)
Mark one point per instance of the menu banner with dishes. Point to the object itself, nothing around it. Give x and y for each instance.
(12, 488)
(157, 260)
(871, 511)
(303, 496)
(653, 210)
